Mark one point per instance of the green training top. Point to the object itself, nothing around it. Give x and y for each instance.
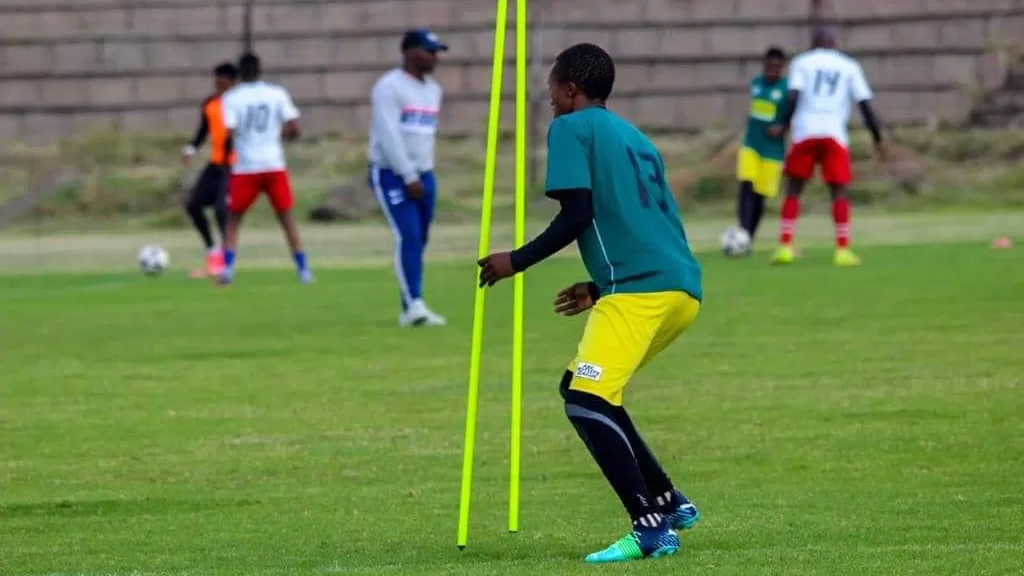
(636, 242)
(766, 106)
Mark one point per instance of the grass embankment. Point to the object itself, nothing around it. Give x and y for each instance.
(131, 181)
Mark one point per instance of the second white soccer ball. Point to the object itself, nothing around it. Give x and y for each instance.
(735, 241)
(153, 260)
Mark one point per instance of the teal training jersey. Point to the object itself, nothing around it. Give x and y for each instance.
(636, 242)
(766, 106)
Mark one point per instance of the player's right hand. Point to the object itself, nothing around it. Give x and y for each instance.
(574, 299)
(415, 190)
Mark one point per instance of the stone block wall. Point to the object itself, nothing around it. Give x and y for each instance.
(68, 66)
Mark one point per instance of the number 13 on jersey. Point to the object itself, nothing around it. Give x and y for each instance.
(655, 177)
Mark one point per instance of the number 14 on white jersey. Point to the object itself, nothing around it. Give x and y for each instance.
(829, 83)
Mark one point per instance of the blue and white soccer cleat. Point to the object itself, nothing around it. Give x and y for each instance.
(685, 515)
(226, 276)
(638, 545)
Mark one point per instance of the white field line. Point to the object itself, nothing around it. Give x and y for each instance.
(364, 245)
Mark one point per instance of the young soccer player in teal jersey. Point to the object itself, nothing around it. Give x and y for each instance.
(759, 162)
(646, 287)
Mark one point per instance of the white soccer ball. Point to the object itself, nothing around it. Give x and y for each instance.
(735, 241)
(153, 260)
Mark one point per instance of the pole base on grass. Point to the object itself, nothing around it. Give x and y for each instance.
(461, 548)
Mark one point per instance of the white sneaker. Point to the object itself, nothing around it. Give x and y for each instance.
(435, 319)
(417, 314)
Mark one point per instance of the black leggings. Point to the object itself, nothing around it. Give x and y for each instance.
(749, 208)
(209, 190)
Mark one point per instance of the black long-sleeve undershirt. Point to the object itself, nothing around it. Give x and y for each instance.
(787, 115)
(204, 127)
(870, 120)
(575, 215)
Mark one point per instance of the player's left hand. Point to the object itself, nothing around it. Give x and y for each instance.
(495, 267)
(776, 130)
(415, 189)
(574, 299)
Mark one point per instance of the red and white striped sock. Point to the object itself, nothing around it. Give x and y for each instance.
(790, 214)
(841, 217)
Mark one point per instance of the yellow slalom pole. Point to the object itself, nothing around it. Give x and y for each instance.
(493, 125)
(520, 238)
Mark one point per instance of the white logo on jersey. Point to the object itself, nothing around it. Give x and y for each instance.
(421, 120)
(589, 371)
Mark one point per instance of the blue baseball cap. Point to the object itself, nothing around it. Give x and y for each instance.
(423, 38)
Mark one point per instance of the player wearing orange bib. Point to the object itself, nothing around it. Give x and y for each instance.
(210, 188)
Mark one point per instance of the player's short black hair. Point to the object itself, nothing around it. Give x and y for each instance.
(587, 66)
(774, 53)
(226, 70)
(249, 66)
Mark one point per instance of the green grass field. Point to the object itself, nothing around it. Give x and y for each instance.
(826, 421)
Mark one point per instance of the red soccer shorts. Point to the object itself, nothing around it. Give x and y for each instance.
(833, 157)
(244, 189)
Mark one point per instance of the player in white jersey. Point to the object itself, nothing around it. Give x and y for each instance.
(405, 106)
(259, 116)
(824, 84)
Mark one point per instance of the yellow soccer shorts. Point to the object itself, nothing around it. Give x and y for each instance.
(766, 174)
(623, 332)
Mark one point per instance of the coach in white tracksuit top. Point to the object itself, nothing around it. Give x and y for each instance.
(406, 103)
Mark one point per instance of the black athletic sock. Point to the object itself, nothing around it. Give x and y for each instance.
(741, 204)
(745, 206)
(221, 214)
(657, 481)
(195, 212)
(595, 422)
(756, 212)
